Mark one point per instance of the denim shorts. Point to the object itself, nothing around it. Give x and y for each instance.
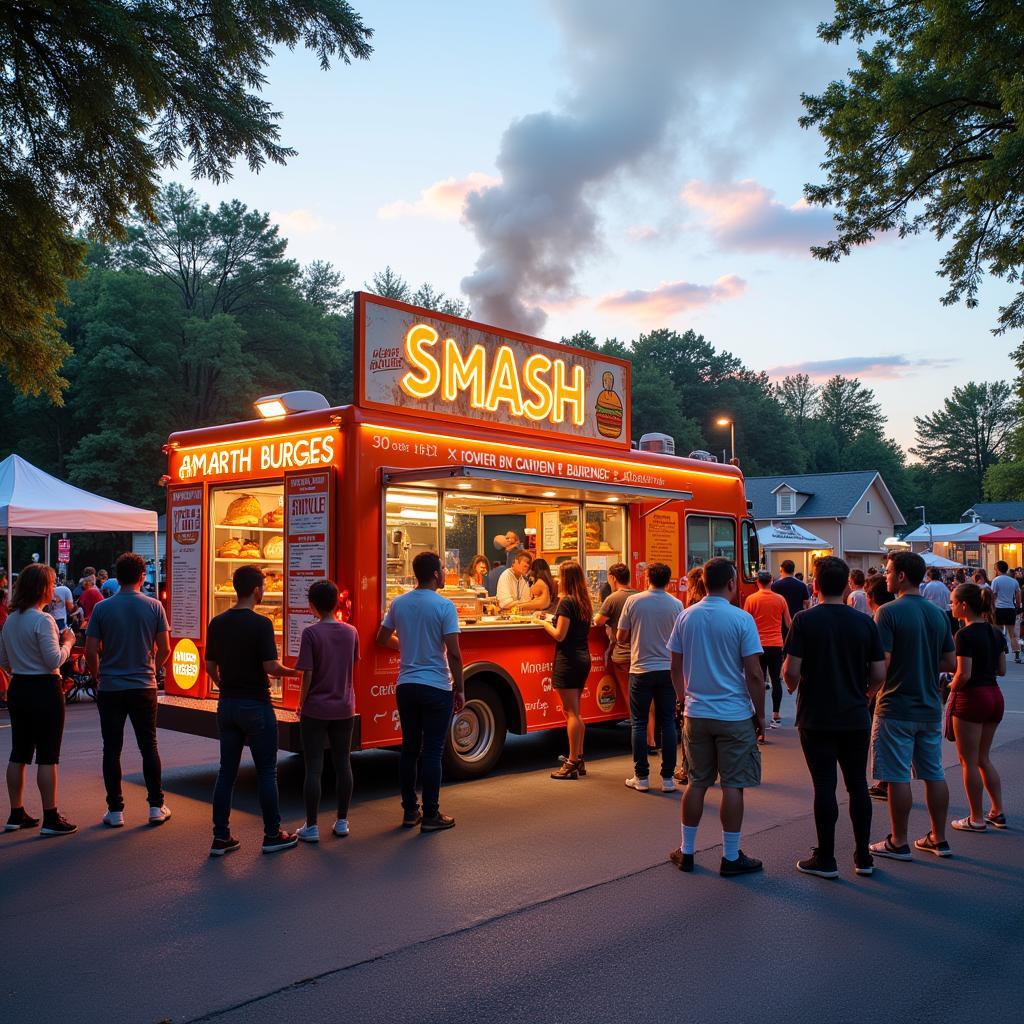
(898, 746)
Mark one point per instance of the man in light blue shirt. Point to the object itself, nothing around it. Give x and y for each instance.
(716, 669)
(423, 627)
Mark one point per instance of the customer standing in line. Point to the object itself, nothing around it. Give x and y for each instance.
(608, 616)
(646, 624)
(89, 598)
(857, 598)
(907, 731)
(328, 652)
(127, 641)
(937, 593)
(424, 628)
(241, 653)
(877, 595)
(1006, 592)
(976, 707)
(32, 652)
(716, 670)
(771, 614)
(570, 629)
(792, 588)
(833, 657)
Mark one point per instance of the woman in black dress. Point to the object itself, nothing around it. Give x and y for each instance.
(570, 628)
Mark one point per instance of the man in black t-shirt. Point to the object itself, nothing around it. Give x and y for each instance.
(833, 655)
(792, 589)
(240, 653)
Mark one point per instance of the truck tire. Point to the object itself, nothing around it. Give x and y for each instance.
(476, 737)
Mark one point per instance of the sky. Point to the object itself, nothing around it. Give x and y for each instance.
(580, 164)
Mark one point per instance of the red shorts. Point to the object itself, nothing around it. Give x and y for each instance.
(980, 704)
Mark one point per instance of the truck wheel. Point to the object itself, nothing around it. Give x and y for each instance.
(477, 734)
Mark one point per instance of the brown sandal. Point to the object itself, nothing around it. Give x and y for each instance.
(567, 770)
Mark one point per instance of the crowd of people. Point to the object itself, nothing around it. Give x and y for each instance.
(883, 666)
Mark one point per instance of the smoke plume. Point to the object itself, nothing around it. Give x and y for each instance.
(640, 78)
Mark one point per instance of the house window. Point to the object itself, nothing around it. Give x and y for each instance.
(868, 503)
(787, 504)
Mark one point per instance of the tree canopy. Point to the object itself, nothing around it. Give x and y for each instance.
(923, 135)
(96, 98)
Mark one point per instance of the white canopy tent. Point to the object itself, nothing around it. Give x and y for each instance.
(934, 561)
(35, 504)
(790, 537)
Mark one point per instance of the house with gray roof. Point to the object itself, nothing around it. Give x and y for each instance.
(852, 514)
(1000, 513)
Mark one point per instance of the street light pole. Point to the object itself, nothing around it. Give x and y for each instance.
(924, 522)
(722, 421)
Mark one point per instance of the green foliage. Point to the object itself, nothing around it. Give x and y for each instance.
(96, 97)
(391, 285)
(969, 433)
(924, 135)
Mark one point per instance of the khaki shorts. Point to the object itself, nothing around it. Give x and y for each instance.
(725, 750)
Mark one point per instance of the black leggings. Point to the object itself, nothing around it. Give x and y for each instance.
(771, 664)
(823, 750)
(316, 733)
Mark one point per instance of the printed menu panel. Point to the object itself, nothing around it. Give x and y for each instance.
(185, 511)
(663, 539)
(307, 504)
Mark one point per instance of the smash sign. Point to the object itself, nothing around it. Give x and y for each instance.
(439, 366)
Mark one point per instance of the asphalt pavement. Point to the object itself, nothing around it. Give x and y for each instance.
(549, 901)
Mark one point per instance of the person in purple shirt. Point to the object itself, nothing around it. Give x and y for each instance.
(328, 651)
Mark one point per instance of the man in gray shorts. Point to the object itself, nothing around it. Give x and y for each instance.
(716, 670)
(907, 729)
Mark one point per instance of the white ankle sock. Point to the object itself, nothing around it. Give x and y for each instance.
(731, 845)
(689, 844)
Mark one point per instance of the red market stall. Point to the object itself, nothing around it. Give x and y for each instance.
(1009, 545)
(459, 432)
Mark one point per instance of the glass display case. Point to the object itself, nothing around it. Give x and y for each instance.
(248, 529)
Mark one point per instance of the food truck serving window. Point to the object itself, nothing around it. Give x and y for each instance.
(478, 535)
(709, 537)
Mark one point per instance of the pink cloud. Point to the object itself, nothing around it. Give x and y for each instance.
(672, 297)
(876, 367)
(744, 215)
(443, 200)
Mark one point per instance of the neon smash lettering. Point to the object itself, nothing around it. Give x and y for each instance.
(243, 459)
(542, 389)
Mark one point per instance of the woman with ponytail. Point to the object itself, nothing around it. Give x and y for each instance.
(976, 704)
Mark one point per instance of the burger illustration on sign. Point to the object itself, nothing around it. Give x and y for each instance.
(609, 408)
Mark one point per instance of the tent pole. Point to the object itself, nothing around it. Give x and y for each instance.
(47, 558)
(156, 564)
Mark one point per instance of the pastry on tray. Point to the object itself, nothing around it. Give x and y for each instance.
(231, 548)
(274, 548)
(243, 511)
(249, 549)
(275, 517)
(273, 583)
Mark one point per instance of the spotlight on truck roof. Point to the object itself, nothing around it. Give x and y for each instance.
(272, 406)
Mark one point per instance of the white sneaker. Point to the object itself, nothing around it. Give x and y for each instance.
(669, 785)
(114, 819)
(640, 785)
(158, 815)
(309, 833)
(775, 723)
(341, 827)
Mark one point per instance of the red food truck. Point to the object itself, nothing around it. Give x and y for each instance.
(460, 434)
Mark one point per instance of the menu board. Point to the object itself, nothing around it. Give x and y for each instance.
(185, 528)
(307, 526)
(663, 539)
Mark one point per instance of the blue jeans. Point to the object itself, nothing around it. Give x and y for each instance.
(645, 688)
(425, 713)
(243, 721)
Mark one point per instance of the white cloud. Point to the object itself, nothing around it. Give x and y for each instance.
(443, 200)
(301, 222)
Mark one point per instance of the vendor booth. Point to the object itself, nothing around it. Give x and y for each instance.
(35, 504)
(934, 561)
(1005, 545)
(786, 540)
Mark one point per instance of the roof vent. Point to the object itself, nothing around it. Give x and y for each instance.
(664, 444)
(702, 456)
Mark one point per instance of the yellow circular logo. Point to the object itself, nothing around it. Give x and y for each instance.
(185, 665)
(607, 694)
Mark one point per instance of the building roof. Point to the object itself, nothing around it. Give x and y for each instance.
(832, 495)
(1003, 511)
